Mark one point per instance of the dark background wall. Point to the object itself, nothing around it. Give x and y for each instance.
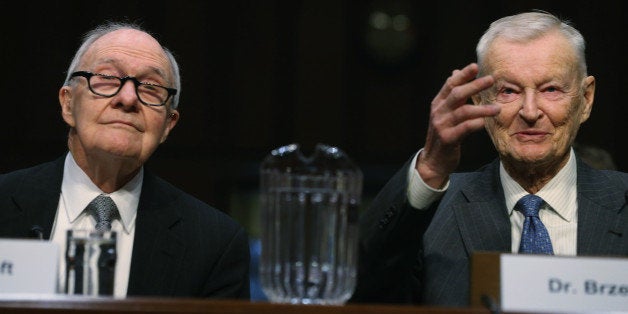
(261, 74)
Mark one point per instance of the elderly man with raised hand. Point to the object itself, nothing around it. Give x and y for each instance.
(531, 92)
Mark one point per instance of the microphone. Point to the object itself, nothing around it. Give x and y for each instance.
(37, 232)
(490, 304)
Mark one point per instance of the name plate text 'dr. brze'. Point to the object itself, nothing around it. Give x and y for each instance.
(541, 283)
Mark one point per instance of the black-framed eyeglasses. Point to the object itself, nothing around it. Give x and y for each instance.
(109, 85)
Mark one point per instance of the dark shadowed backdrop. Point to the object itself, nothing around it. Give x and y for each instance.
(359, 75)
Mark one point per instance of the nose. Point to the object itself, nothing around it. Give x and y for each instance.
(126, 97)
(530, 106)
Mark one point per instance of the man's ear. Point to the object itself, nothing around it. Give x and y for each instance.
(65, 100)
(171, 120)
(588, 94)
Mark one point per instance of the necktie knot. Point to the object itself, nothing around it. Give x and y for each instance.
(529, 205)
(104, 210)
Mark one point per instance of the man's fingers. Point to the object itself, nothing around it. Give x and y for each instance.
(455, 125)
(462, 85)
(470, 112)
(463, 92)
(456, 134)
(459, 77)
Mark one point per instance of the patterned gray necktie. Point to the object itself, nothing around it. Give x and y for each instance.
(534, 236)
(104, 210)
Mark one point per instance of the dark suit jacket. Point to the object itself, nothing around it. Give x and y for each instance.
(423, 256)
(182, 246)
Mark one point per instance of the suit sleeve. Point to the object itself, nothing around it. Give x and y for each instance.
(230, 277)
(390, 246)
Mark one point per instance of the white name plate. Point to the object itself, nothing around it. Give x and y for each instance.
(541, 283)
(28, 266)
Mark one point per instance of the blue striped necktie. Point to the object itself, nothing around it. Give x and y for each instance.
(534, 236)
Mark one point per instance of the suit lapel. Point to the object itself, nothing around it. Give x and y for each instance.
(483, 220)
(37, 197)
(599, 206)
(157, 250)
(485, 226)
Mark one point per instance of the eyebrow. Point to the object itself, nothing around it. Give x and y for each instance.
(160, 72)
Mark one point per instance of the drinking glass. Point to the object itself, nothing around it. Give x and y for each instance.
(90, 262)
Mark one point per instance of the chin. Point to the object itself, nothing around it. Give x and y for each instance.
(530, 154)
(120, 150)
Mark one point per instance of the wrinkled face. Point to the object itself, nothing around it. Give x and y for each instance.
(119, 126)
(543, 98)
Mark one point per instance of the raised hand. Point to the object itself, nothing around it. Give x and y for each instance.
(452, 118)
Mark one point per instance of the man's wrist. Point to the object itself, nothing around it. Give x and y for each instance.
(420, 194)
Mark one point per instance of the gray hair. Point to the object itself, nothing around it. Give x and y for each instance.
(90, 37)
(529, 26)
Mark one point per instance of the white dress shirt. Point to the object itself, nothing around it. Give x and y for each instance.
(77, 190)
(558, 214)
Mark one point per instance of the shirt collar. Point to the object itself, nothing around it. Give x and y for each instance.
(559, 193)
(77, 191)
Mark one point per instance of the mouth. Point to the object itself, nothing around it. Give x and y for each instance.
(531, 136)
(124, 124)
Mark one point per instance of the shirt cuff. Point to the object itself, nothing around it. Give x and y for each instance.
(419, 194)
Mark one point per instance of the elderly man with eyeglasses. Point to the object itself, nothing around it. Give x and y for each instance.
(120, 101)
